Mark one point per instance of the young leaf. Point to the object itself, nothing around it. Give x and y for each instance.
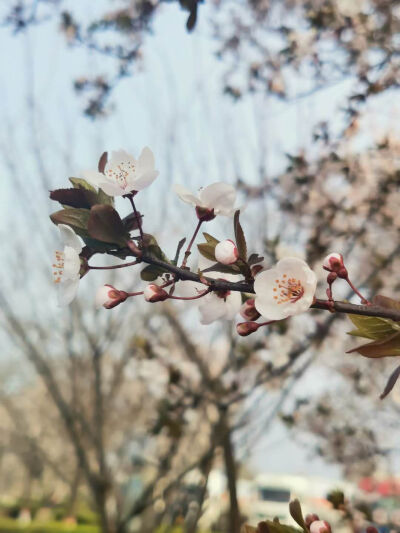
(394, 376)
(210, 239)
(77, 219)
(102, 197)
(387, 347)
(239, 236)
(151, 273)
(74, 197)
(254, 259)
(178, 250)
(106, 225)
(225, 269)
(372, 327)
(130, 222)
(207, 250)
(297, 514)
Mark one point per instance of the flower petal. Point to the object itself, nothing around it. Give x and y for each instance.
(112, 189)
(118, 157)
(72, 264)
(185, 195)
(67, 291)
(102, 295)
(69, 238)
(143, 180)
(93, 177)
(233, 304)
(219, 196)
(146, 159)
(211, 308)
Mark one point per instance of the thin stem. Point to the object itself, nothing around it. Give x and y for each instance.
(134, 293)
(363, 300)
(114, 266)
(190, 297)
(267, 323)
(187, 253)
(139, 222)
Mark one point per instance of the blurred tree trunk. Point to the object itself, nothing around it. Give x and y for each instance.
(230, 470)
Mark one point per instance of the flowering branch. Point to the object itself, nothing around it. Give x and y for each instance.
(228, 280)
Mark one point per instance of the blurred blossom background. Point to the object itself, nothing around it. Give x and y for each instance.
(139, 418)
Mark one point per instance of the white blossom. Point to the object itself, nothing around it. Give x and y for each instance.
(216, 305)
(218, 197)
(285, 290)
(123, 174)
(67, 266)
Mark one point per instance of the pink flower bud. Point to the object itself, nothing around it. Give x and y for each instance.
(248, 310)
(320, 526)
(333, 262)
(109, 297)
(246, 328)
(153, 293)
(310, 518)
(226, 252)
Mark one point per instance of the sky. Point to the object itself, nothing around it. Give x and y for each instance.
(175, 105)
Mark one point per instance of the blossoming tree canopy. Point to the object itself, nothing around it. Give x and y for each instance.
(227, 281)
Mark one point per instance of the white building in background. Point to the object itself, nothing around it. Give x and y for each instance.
(268, 495)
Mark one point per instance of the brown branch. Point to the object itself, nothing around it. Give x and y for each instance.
(242, 286)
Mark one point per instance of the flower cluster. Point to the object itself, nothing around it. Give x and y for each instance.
(227, 282)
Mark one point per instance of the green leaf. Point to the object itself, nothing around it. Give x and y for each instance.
(100, 247)
(77, 219)
(297, 514)
(106, 225)
(151, 273)
(210, 239)
(225, 269)
(239, 236)
(386, 347)
(374, 328)
(207, 250)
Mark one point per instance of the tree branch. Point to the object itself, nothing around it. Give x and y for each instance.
(242, 286)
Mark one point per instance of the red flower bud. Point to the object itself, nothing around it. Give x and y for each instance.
(310, 518)
(246, 328)
(205, 214)
(109, 297)
(248, 310)
(153, 293)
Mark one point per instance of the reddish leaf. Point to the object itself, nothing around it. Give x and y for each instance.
(106, 225)
(391, 382)
(387, 347)
(74, 197)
